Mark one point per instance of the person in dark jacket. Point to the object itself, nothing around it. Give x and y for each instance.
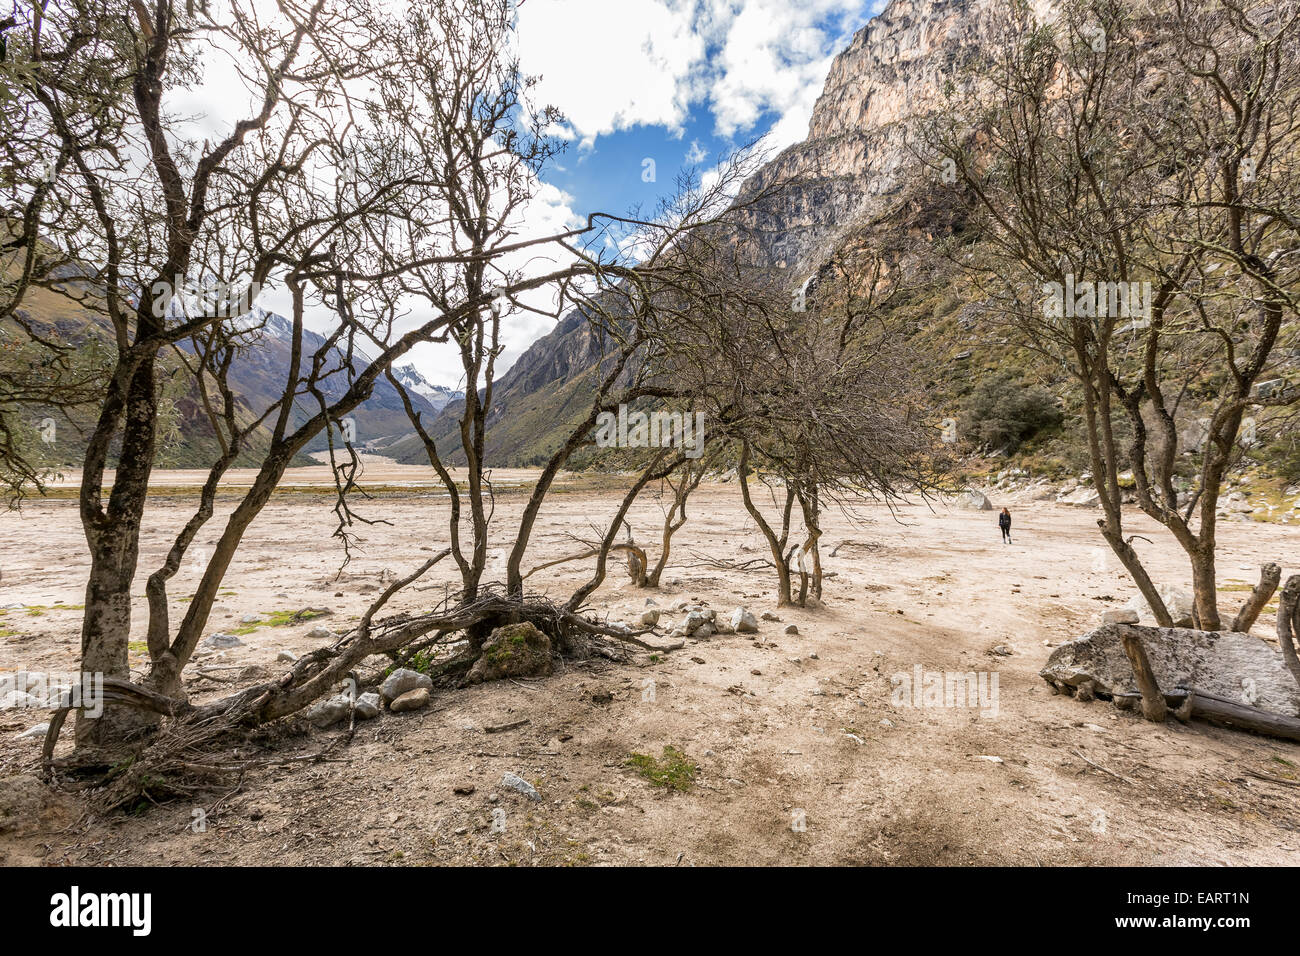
(1004, 522)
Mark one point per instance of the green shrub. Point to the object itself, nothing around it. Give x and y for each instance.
(1003, 413)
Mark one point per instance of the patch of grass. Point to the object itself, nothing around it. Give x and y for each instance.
(138, 647)
(279, 619)
(673, 771)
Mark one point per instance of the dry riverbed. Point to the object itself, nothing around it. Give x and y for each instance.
(801, 753)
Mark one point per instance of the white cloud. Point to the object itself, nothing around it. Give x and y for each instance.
(613, 67)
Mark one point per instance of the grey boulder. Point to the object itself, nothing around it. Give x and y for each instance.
(1233, 666)
(402, 681)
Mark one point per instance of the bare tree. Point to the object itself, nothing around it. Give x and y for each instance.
(1116, 237)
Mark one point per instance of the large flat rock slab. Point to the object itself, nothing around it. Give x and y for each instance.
(1234, 666)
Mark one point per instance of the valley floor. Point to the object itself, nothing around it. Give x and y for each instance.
(784, 728)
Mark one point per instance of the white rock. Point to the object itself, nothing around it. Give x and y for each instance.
(1082, 498)
(516, 782)
(650, 618)
(368, 705)
(1177, 601)
(39, 730)
(330, 711)
(287, 656)
(222, 641)
(972, 500)
(743, 621)
(1123, 615)
(320, 633)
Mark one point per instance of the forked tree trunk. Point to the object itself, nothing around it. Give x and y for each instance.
(775, 545)
(113, 534)
(1205, 591)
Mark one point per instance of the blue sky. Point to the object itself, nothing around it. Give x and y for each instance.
(679, 82)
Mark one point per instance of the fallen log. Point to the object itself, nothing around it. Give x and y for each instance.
(1225, 713)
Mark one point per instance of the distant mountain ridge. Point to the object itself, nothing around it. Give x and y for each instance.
(260, 372)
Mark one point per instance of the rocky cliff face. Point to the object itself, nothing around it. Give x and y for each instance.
(858, 153)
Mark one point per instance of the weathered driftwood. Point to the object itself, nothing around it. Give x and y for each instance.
(1288, 624)
(1197, 704)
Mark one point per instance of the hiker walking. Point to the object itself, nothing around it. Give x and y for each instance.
(1004, 522)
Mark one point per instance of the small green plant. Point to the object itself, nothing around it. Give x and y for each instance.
(674, 770)
(422, 661)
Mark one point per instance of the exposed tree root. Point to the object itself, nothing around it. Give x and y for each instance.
(198, 747)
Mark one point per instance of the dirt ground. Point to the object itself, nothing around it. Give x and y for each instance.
(802, 756)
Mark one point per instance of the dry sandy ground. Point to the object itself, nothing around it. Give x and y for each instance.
(783, 728)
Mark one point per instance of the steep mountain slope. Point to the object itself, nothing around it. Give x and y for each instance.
(852, 168)
(857, 156)
(533, 405)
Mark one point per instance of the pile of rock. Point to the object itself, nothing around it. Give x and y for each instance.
(401, 690)
(701, 623)
(406, 689)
